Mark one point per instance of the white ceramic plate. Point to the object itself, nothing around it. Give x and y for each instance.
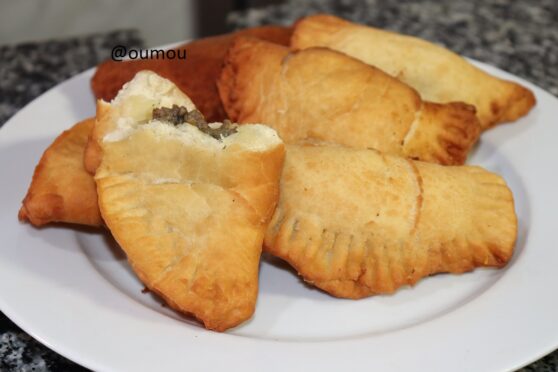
(73, 291)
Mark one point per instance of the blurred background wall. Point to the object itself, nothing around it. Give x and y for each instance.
(159, 22)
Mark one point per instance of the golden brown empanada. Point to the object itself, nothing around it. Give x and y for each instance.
(194, 75)
(438, 74)
(189, 210)
(357, 222)
(61, 189)
(319, 95)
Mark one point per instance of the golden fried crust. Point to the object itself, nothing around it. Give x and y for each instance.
(442, 133)
(438, 74)
(61, 189)
(196, 241)
(191, 216)
(195, 75)
(93, 153)
(319, 95)
(357, 223)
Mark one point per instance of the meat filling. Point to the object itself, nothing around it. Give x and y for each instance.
(179, 114)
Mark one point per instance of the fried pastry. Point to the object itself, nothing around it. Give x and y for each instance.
(438, 74)
(357, 222)
(188, 201)
(61, 189)
(194, 75)
(318, 95)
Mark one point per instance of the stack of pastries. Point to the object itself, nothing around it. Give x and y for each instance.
(334, 146)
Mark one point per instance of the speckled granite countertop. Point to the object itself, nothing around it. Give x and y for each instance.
(519, 37)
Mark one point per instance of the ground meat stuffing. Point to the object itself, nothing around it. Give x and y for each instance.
(179, 115)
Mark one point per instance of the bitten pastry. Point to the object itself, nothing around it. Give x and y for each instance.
(357, 222)
(188, 201)
(319, 95)
(438, 74)
(61, 189)
(194, 75)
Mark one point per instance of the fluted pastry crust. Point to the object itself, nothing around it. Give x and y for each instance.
(357, 223)
(318, 95)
